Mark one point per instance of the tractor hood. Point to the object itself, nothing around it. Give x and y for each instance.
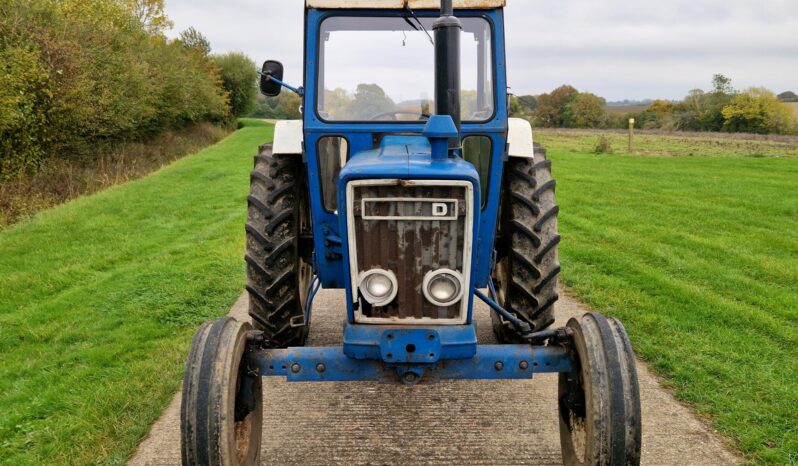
(406, 157)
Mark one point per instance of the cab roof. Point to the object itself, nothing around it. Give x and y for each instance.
(401, 4)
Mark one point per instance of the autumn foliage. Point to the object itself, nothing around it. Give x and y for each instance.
(77, 73)
(722, 109)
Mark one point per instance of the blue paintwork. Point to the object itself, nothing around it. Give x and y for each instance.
(405, 150)
(404, 157)
(296, 90)
(331, 364)
(389, 343)
(439, 127)
(330, 259)
(439, 130)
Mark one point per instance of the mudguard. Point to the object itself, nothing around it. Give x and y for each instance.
(519, 137)
(288, 137)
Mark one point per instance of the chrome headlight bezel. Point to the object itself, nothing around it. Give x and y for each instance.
(456, 279)
(363, 282)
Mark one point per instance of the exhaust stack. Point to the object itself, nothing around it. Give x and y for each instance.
(447, 67)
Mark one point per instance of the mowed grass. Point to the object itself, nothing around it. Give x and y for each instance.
(697, 255)
(99, 298)
(699, 258)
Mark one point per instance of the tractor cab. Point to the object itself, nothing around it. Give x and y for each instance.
(378, 90)
(407, 186)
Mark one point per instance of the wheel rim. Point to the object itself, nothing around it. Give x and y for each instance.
(241, 429)
(578, 436)
(576, 424)
(244, 428)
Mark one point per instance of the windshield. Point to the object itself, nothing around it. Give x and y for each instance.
(382, 69)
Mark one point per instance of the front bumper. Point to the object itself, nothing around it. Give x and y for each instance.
(409, 355)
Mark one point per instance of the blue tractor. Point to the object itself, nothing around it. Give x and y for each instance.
(407, 185)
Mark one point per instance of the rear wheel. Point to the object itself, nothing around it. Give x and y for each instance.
(222, 406)
(599, 402)
(528, 266)
(279, 248)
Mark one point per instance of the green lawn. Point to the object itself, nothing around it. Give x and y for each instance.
(699, 258)
(99, 299)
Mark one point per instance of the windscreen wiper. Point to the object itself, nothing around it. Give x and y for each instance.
(420, 26)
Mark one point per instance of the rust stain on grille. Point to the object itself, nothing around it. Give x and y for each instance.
(409, 248)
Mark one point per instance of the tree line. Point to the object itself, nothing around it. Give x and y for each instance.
(754, 110)
(75, 74)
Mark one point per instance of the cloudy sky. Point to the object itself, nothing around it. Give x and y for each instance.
(617, 49)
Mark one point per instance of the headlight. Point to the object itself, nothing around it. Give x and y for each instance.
(443, 287)
(378, 287)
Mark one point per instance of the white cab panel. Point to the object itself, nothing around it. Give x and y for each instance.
(288, 137)
(520, 138)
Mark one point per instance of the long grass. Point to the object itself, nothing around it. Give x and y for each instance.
(699, 258)
(70, 176)
(671, 144)
(100, 296)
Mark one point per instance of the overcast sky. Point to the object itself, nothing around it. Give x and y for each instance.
(616, 49)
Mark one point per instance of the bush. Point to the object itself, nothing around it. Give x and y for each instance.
(239, 77)
(586, 110)
(283, 107)
(77, 72)
(757, 110)
(565, 107)
(603, 145)
(788, 96)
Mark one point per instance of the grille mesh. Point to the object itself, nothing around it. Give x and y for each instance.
(398, 233)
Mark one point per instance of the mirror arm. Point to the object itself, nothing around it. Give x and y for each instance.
(300, 91)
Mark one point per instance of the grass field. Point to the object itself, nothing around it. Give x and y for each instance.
(648, 143)
(699, 258)
(99, 299)
(698, 255)
(794, 106)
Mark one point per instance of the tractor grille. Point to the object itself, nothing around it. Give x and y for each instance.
(410, 228)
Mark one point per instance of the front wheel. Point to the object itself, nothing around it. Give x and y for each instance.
(222, 406)
(599, 400)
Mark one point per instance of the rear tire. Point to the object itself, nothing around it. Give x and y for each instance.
(528, 266)
(600, 422)
(222, 407)
(278, 259)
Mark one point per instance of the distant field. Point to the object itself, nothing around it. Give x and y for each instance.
(794, 106)
(653, 143)
(627, 108)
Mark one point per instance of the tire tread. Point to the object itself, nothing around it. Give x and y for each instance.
(528, 227)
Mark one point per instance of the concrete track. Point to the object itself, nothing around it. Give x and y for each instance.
(455, 422)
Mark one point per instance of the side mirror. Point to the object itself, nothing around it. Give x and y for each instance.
(269, 87)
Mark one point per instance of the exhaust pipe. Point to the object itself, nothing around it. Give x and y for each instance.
(447, 66)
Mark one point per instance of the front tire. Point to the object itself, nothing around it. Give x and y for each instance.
(599, 402)
(222, 407)
(279, 248)
(528, 265)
